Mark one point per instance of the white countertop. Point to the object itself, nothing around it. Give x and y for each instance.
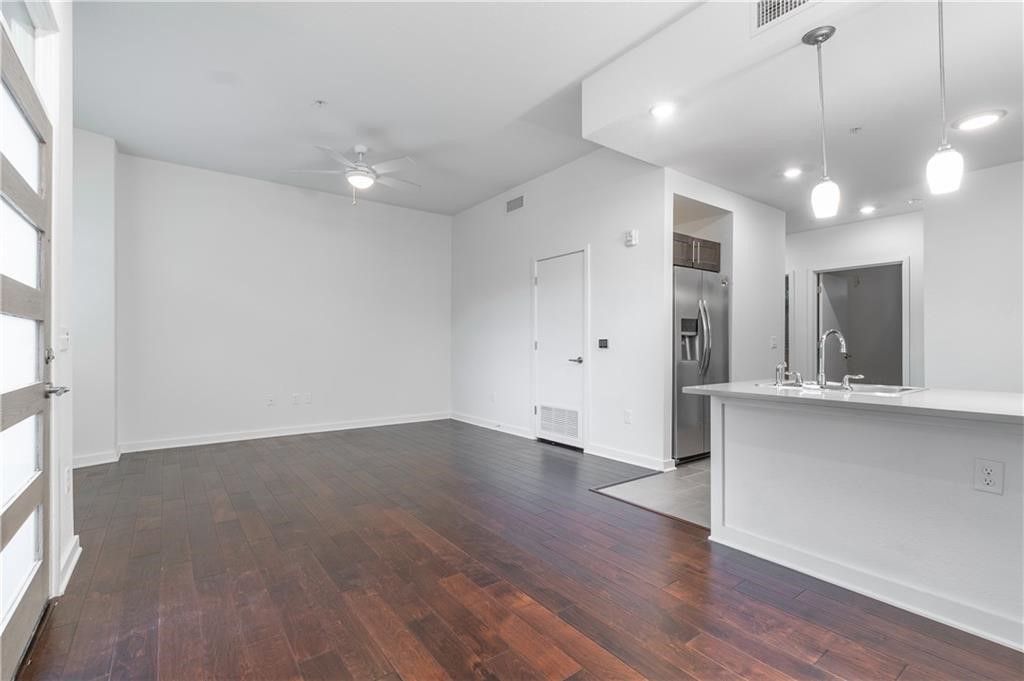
(976, 405)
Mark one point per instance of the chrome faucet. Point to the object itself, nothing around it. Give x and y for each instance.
(782, 372)
(822, 382)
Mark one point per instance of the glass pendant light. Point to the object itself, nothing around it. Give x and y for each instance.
(825, 195)
(946, 168)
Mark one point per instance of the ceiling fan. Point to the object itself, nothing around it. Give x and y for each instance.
(363, 175)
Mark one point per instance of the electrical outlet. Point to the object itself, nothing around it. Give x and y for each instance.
(270, 401)
(988, 476)
(627, 416)
(296, 398)
(773, 342)
(309, 398)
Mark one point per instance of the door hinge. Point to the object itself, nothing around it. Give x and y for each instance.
(820, 290)
(536, 280)
(535, 410)
(535, 345)
(48, 355)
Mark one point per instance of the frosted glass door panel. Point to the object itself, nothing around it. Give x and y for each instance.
(19, 247)
(18, 141)
(19, 457)
(23, 33)
(19, 352)
(18, 562)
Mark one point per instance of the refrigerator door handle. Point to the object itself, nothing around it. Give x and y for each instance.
(706, 322)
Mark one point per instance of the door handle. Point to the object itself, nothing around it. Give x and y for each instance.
(51, 390)
(577, 360)
(705, 363)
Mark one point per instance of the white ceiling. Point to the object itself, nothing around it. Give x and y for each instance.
(482, 96)
(759, 112)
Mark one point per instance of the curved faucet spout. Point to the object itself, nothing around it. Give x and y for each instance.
(822, 379)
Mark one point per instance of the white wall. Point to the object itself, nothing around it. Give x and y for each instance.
(882, 240)
(592, 201)
(756, 309)
(232, 291)
(974, 292)
(95, 435)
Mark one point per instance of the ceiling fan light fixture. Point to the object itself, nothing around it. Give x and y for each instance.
(360, 179)
(825, 199)
(945, 170)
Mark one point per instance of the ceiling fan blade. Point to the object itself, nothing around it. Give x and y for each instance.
(396, 183)
(336, 155)
(385, 167)
(336, 171)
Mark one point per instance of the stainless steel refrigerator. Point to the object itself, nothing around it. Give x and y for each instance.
(701, 351)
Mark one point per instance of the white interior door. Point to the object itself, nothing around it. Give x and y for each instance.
(560, 333)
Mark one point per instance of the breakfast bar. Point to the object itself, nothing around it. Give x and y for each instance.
(912, 499)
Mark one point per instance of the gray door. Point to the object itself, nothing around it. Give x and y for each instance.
(688, 343)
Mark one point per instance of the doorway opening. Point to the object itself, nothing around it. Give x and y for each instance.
(866, 305)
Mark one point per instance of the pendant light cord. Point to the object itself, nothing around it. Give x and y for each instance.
(942, 76)
(821, 102)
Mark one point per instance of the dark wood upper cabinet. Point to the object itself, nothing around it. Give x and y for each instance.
(702, 254)
(707, 255)
(682, 250)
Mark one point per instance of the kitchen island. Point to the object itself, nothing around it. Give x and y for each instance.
(879, 494)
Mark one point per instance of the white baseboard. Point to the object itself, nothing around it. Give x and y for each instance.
(651, 462)
(492, 425)
(217, 438)
(95, 459)
(992, 626)
(67, 565)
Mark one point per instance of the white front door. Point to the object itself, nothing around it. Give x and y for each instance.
(559, 343)
(25, 201)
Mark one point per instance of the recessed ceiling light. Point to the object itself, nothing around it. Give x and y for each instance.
(663, 110)
(791, 173)
(867, 209)
(979, 120)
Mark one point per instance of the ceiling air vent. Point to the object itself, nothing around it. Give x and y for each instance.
(770, 11)
(514, 204)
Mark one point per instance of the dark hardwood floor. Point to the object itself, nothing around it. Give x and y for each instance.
(441, 550)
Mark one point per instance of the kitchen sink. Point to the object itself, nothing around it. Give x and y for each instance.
(873, 389)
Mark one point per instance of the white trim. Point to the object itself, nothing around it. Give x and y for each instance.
(216, 438)
(490, 424)
(988, 625)
(67, 565)
(653, 463)
(95, 458)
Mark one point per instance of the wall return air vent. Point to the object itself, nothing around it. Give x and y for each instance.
(769, 11)
(556, 421)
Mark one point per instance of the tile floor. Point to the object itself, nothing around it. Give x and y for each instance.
(684, 493)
